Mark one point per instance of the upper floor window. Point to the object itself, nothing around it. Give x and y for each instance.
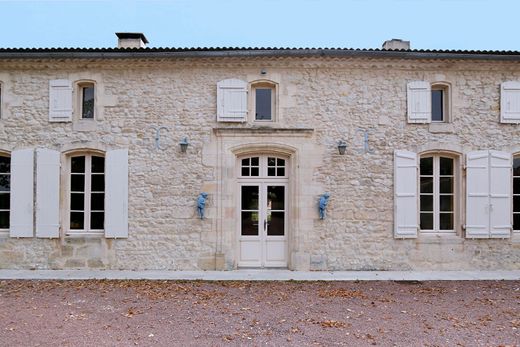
(439, 103)
(427, 102)
(264, 166)
(86, 98)
(264, 101)
(516, 193)
(5, 191)
(87, 193)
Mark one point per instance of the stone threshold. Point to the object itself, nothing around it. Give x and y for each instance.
(260, 275)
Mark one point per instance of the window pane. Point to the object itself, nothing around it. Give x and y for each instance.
(77, 183)
(98, 183)
(5, 183)
(88, 102)
(249, 223)
(97, 201)
(276, 197)
(271, 161)
(426, 203)
(446, 185)
(426, 184)
(245, 162)
(446, 202)
(76, 220)
(245, 171)
(446, 166)
(516, 185)
(4, 201)
(271, 171)
(280, 162)
(516, 221)
(255, 161)
(5, 164)
(4, 220)
(446, 221)
(98, 164)
(275, 224)
(97, 220)
(516, 166)
(516, 204)
(77, 164)
(255, 171)
(77, 201)
(427, 166)
(249, 197)
(280, 171)
(426, 221)
(437, 105)
(263, 103)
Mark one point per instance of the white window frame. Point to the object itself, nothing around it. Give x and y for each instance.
(517, 157)
(436, 192)
(263, 84)
(5, 232)
(446, 100)
(87, 194)
(78, 104)
(263, 166)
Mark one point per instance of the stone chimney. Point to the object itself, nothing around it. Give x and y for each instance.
(131, 40)
(396, 44)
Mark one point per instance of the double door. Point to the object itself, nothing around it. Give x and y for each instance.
(263, 224)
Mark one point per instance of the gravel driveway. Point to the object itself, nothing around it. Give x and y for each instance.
(196, 313)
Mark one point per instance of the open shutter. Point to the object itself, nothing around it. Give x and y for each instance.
(22, 183)
(419, 100)
(405, 190)
(47, 193)
(116, 193)
(500, 178)
(510, 102)
(60, 101)
(477, 194)
(231, 101)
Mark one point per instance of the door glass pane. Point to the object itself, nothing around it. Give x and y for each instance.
(446, 221)
(5, 183)
(276, 223)
(437, 103)
(446, 185)
(516, 185)
(516, 221)
(77, 183)
(98, 164)
(426, 203)
(4, 219)
(446, 166)
(426, 221)
(77, 164)
(250, 223)
(76, 220)
(263, 104)
(98, 183)
(97, 220)
(426, 184)
(276, 197)
(516, 166)
(427, 166)
(4, 201)
(5, 164)
(77, 201)
(516, 204)
(250, 198)
(446, 202)
(97, 201)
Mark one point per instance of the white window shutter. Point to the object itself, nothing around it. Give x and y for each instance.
(510, 102)
(22, 199)
(419, 101)
(477, 194)
(231, 101)
(116, 193)
(60, 101)
(47, 193)
(500, 178)
(405, 194)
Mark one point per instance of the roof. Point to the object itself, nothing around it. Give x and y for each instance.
(205, 52)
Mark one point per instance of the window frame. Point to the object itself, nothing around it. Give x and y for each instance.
(87, 210)
(78, 104)
(457, 181)
(263, 84)
(263, 166)
(5, 231)
(515, 231)
(446, 101)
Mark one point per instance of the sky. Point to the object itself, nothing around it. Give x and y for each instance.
(428, 24)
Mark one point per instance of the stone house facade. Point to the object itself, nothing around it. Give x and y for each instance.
(93, 173)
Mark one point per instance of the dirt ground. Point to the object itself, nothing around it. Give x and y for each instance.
(196, 313)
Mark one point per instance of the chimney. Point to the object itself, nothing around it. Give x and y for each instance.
(396, 44)
(131, 40)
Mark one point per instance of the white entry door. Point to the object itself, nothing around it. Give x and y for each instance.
(263, 224)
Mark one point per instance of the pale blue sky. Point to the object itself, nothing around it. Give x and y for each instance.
(428, 24)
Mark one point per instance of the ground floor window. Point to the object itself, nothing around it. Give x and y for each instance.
(5, 191)
(516, 193)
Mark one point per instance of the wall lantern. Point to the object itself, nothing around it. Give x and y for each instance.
(342, 146)
(184, 144)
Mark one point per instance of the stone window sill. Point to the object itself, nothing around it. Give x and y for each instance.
(441, 128)
(440, 238)
(84, 125)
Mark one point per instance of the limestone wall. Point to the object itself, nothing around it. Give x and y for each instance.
(333, 99)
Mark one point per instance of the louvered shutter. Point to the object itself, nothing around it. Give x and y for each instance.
(477, 194)
(419, 101)
(47, 193)
(510, 102)
(405, 194)
(500, 178)
(231, 101)
(116, 193)
(22, 183)
(60, 101)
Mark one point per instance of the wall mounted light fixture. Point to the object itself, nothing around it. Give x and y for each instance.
(184, 144)
(342, 146)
